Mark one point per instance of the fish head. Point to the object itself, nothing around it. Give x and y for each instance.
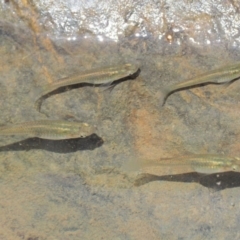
(235, 168)
(234, 70)
(82, 130)
(129, 69)
(85, 130)
(235, 165)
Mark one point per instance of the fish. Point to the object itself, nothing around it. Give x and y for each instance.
(95, 77)
(200, 163)
(48, 129)
(224, 74)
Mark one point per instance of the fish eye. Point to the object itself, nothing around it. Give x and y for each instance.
(82, 136)
(234, 168)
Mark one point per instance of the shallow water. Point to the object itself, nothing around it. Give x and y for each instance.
(76, 189)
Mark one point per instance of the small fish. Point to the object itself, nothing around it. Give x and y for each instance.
(203, 163)
(48, 129)
(96, 77)
(224, 74)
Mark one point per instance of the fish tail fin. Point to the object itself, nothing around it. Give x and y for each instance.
(136, 164)
(47, 88)
(164, 96)
(132, 165)
(42, 91)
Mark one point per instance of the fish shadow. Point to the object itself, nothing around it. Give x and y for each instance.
(58, 146)
(215, 182)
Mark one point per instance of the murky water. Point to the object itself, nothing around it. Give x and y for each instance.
(78, 188)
